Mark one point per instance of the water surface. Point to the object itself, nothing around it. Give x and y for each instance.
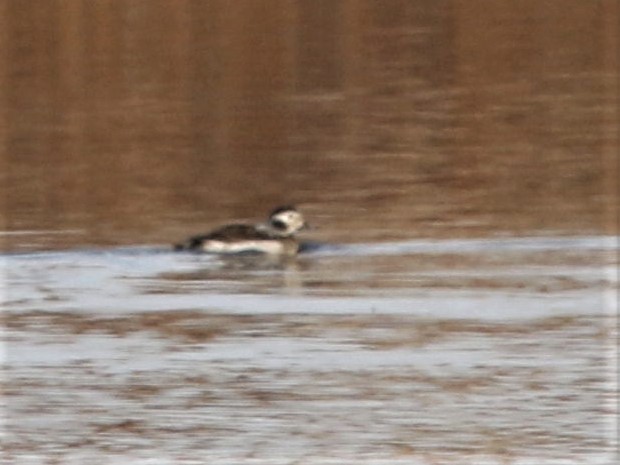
(485, 351)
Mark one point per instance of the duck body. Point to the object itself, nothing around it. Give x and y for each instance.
(277, 236)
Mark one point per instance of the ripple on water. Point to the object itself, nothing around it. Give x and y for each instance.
(418, 352)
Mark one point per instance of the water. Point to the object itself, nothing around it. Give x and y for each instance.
(486, 351)
(144, 122)
(458, 160)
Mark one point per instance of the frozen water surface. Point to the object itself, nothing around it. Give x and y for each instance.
(418, 352)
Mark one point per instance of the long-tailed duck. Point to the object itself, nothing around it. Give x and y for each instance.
(276, 236)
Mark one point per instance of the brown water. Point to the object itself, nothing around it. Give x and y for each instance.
(131, 122)
(459, 158)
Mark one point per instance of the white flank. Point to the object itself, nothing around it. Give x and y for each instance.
(271, 247)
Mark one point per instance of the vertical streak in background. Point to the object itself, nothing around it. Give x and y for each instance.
(3, 120)
(73, 107)
(610, 11)
(107, 130)
(207, 93)
(354, 79)
(31, 79)
(318, 79)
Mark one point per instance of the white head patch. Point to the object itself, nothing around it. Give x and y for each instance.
(286, 222)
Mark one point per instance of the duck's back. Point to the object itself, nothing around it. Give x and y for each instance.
(226, 234)
(237, 232)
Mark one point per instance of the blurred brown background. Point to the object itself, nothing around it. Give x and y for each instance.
(140, 121)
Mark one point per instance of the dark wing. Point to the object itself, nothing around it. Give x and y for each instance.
(230, 233)
(236, 232)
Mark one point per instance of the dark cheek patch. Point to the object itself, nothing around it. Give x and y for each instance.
(278, 224)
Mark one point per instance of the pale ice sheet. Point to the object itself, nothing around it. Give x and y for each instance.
(331, 279)
(483, 351)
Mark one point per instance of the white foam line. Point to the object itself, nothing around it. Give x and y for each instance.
(483, 305)
(583, 243)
